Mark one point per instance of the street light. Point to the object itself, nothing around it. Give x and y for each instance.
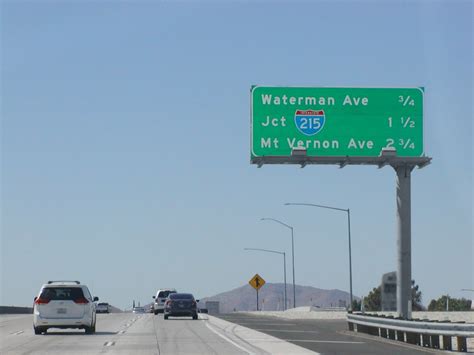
(292, 252)
(284, 266)
(349, 235)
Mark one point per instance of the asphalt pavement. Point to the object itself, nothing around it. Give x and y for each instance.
(323, 336)
(128, 333)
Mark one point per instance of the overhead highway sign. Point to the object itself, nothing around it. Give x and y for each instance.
(335, 122)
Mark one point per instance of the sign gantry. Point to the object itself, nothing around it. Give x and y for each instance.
(346, 126)
(311, 125)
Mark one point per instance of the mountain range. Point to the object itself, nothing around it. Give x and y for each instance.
(271, 298)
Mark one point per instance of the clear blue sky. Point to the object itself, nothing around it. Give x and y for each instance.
(125, 145)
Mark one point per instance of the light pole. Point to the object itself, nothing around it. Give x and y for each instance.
(348, 211)
(284, 266)
(292, 253)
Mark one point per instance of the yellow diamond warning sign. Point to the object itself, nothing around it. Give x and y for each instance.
(257, 282)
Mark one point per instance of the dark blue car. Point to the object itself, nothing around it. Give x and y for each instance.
(181, 305)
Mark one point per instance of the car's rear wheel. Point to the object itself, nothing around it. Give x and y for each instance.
(166, 316)
(90, 330)
(156, 312)
(38, 330)
(195, 316)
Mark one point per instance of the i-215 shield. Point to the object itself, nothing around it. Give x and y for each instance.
(309, 122)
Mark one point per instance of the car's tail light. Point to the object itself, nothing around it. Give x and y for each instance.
(42, 301)
(81, 300)
(169, 303)
(193, 303)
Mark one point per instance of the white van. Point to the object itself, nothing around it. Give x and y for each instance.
(64, 304)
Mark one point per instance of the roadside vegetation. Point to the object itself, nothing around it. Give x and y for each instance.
(446, 303)
(373, 302)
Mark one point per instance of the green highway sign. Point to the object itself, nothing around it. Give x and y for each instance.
(327, 121)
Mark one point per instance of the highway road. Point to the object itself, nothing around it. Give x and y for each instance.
(323, 336)
(127, 333)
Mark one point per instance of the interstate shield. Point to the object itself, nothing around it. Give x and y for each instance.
(309, 122)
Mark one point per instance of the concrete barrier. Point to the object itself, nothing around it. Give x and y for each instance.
(15, 310)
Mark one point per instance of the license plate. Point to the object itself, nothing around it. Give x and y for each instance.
(181, 305)
(62, 310)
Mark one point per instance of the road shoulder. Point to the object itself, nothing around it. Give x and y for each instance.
(254, 342)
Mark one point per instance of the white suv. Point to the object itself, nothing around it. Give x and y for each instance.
(64, 304)
(102, 308)
(161, 296)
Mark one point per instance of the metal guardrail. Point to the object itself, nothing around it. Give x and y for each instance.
(424, 333)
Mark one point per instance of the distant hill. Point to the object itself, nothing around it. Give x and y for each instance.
(271, 298)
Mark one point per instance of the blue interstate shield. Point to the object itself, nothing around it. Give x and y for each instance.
(309, 122)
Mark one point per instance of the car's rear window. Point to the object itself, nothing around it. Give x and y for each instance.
(102, 304)
(165, 294)
(182, 296)
(62, 293)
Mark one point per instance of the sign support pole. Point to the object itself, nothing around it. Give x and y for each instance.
(404, 240)
(284, 279)
(257, 299)
(257, 282)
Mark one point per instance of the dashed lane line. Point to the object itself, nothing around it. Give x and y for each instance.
(286, 330)
(325, 341)
(18, 332)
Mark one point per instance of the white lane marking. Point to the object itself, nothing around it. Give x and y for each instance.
(109, 343)
(121, 332)
(228, 340)
(262, 323)
(326, 341)
(18, 332)
(286, 330)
